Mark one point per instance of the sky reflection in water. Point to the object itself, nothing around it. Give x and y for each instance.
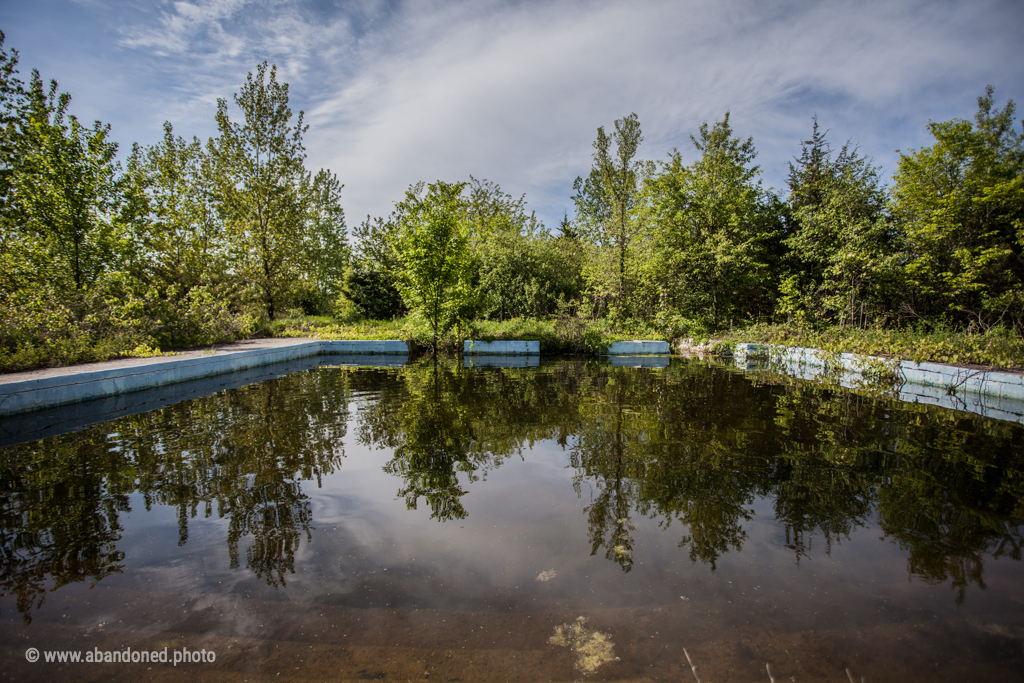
(446, 520)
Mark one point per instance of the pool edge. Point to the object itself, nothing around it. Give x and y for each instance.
(36, 394)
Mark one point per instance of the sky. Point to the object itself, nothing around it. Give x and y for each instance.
(513, 90)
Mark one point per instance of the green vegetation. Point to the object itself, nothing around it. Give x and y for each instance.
(195, 243)
(432, 249)
(559, 335)
(189, 244)
(996, 347)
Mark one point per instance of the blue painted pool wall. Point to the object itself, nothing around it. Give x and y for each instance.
(36, 394)
(500, 348)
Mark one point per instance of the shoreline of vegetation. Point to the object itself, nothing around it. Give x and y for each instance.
(994, 349)
(191, 243)
(556, 336)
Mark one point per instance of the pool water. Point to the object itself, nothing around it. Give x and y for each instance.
(572, 521)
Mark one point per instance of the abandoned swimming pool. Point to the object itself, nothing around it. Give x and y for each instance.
(562, 520)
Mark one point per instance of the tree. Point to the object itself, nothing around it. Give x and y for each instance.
(714, 225)
(12, 105)
(371, 283)
(63, 194)
(961, 204)
(178, 236)
(432, 247)
(260, 175)
(516, 269)
(606, 200)
(842, 243)
(491, 212)
(178, 283)
(565, 229)
(325, 252)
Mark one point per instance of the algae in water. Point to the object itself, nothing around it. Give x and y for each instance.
(592, 648)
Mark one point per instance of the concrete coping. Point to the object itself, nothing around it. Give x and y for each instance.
(501, 348)
(754, 350)
(38, 424)
(47, 392)
(637, 347)
(953, 379)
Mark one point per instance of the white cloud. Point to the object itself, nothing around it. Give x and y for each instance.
(513, 90)
(184, 24)
(515, 93)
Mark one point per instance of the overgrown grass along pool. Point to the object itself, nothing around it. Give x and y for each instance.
(569, 521)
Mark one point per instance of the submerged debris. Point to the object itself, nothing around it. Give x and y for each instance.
(592, 648)
(621, 552)
(546, 575)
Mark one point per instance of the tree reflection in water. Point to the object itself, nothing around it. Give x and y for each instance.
(59, 510)
(698, 445)
(243, 453)
(691, 445)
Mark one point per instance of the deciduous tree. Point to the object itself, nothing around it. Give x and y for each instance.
(432, 246)
(714, 223)
(177, 232)
(325, 252)
(607, 199)
(63, 193)
(260, 174)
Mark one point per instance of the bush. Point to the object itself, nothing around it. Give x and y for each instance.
(676, 326)
(197, 319)
(38, 328)
(373, 293)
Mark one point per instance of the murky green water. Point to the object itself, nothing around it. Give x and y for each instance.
(451, 523)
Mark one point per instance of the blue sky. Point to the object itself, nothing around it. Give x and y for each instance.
(513, 91)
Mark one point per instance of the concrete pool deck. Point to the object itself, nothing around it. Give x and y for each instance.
(34, 390)
(246, 345)
(954, 379)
